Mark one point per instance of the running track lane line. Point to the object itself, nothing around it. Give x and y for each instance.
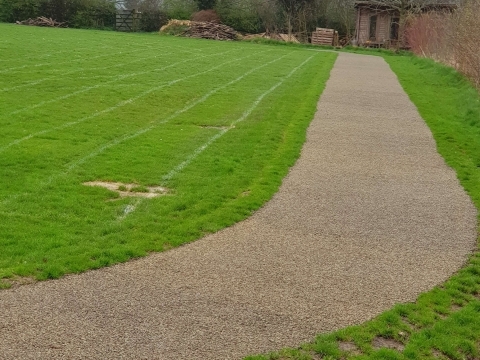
(131, 208)
(121, 139)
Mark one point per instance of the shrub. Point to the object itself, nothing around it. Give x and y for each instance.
(99, 14)
(242, 16)
(450, 38)
(152, 20)
(13, 10)
(179, 9)
(206, 16)
(77, 13)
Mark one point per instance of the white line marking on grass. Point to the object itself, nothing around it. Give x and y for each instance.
(105, 147)
(245, 115)
(119, 140)
(130, 208)
(56, 76)
(117, 78)
(72, 51)
(198, 151)
(171, 117)
(130, 136)
(36, 82)
(123, 103)
(191, 157)
(59, 63)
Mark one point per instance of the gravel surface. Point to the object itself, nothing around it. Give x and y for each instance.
(369, 216)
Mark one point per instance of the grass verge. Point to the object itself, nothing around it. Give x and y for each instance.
(217, 124)
(443, 323)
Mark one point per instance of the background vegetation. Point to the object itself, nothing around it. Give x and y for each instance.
(77, 13)
(250, 16)
(450, 38)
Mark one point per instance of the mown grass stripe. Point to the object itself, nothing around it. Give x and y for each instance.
(117, 78)
(131, 208)
(17, 68)
(60, 75)
(126, 102)
(127, 137)
(245, 115)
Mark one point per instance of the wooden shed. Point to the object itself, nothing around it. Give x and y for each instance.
(378, 24)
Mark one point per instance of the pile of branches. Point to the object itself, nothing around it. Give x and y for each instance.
(200, 29)
(211, 30)
(42, 21)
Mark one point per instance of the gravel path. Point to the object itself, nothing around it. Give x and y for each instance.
(369, 216)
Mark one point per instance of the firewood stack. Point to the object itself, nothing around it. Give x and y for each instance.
(41, 21)
(210, 30)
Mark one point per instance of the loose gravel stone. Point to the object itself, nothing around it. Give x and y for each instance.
(368, 217)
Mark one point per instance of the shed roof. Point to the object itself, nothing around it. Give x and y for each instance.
(391, 3)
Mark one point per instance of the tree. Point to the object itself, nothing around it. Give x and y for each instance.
(341, 13)
(239, 14)
(205, 4)
(296, 13)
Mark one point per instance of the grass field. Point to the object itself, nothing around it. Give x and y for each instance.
(443, 323)
(215, 124)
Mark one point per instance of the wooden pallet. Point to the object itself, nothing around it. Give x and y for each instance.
(323, 36)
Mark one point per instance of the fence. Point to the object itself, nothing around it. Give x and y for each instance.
(128, 20)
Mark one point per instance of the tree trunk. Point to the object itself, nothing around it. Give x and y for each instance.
(401, 28)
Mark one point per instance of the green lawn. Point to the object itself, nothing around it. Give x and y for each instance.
(443, 323)
(216, 124)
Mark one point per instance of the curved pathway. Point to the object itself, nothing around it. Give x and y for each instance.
(369, 216)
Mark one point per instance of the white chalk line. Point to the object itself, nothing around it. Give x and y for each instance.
(36, 58)
(122, 103)
(123, 138)
(94, 57)
(117, 78)
(60, 63)
(175, 114)
(244, 116)
(131, 208)
(56, 76)
(83, 58)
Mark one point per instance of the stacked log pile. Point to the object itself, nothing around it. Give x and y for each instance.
(323, 36)
(42, 21)
(200, 29)
(211, 30)
(272, 36)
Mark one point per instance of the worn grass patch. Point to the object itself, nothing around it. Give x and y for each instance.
(217, 124)
(443, 323)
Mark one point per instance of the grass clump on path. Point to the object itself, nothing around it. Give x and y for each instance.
(217, 124)
(444, 323)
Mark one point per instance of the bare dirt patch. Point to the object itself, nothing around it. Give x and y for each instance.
(349, 347)
(455, 308)
(439, 355)
(380, 342)
(130, 190)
